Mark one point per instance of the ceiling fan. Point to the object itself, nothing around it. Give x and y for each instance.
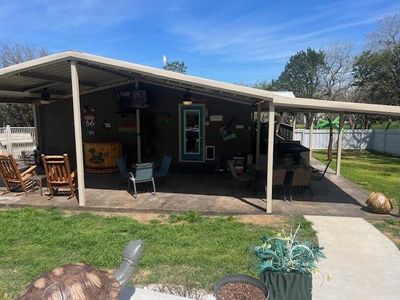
(188, 98)
(45, 97)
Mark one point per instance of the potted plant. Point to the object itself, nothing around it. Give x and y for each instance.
(286, 265)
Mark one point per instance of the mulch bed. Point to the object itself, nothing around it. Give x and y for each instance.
(240, 291)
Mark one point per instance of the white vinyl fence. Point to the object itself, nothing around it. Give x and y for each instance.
(384, 141)
(17, 140)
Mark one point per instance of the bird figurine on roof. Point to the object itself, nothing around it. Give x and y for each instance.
(83, 282)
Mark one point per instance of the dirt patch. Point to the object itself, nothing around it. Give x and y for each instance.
(140, 217)
(163, 218)
(141, 275)
(261, 219)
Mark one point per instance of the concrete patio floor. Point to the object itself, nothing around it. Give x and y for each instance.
(217, 193)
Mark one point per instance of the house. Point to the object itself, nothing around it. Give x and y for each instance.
(144, 113)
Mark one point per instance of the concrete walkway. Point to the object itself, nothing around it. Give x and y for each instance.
(362, 262)
(144, 294)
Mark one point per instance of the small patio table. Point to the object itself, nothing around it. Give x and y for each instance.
(38, 178)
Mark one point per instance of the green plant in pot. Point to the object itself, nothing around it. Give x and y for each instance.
(286, 266)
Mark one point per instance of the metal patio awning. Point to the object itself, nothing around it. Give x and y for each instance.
(25, 82)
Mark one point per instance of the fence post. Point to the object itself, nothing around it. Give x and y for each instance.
(9, 147)
(384, 142)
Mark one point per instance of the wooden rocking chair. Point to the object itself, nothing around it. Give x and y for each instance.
(58, 174)
(12, 176)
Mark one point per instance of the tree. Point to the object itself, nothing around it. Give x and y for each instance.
(336, 75)
(176, 66)
(330, 124)
(376, 70)
(264, 85)
(377, 77)
(17, 114)
(302, 76)
(386, 35)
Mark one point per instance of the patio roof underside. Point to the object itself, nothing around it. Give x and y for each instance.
(25, 83)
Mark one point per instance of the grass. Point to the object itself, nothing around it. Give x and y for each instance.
(186, 249)
(376, 173)
(390, 227)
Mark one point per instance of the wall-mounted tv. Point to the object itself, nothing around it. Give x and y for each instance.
(129, 100)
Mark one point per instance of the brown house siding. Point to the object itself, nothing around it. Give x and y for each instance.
(58, 137)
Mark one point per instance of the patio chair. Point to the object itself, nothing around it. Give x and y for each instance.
(59, 175)
(144, 173)
(164, 168)
(245, 177)
(301, 179)
(278, 179)
(13, 177)
(319, 176)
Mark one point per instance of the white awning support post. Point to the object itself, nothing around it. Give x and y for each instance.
(339, 145)
(78, 133)
(270, 158)
(35, 123)
(310, 142)
(294, 126)
(258, 135)
(138, 137)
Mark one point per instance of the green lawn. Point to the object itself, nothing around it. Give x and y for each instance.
(390, 227)
(183, 249)
(378, 173)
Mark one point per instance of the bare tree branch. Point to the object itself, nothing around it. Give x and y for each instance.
(11, 54)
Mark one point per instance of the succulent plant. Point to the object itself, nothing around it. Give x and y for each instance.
(284, 253)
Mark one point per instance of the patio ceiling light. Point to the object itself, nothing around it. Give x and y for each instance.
(187, 98)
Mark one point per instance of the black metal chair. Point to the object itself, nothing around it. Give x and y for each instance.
(319, 176)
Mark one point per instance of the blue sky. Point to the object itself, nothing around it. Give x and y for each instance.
(236, 41)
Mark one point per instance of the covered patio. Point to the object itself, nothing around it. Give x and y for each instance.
(210, 195)
(51, 83)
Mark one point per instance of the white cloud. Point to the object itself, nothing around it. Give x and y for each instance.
(260, 37)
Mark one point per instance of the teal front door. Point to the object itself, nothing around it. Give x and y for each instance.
(191, 132)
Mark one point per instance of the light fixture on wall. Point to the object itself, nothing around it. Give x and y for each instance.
(187, 98)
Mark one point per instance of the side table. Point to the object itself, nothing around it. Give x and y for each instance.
(38, 178)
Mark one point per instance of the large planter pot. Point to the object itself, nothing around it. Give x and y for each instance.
(379, 203)
(243, 280)
(288, 286)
